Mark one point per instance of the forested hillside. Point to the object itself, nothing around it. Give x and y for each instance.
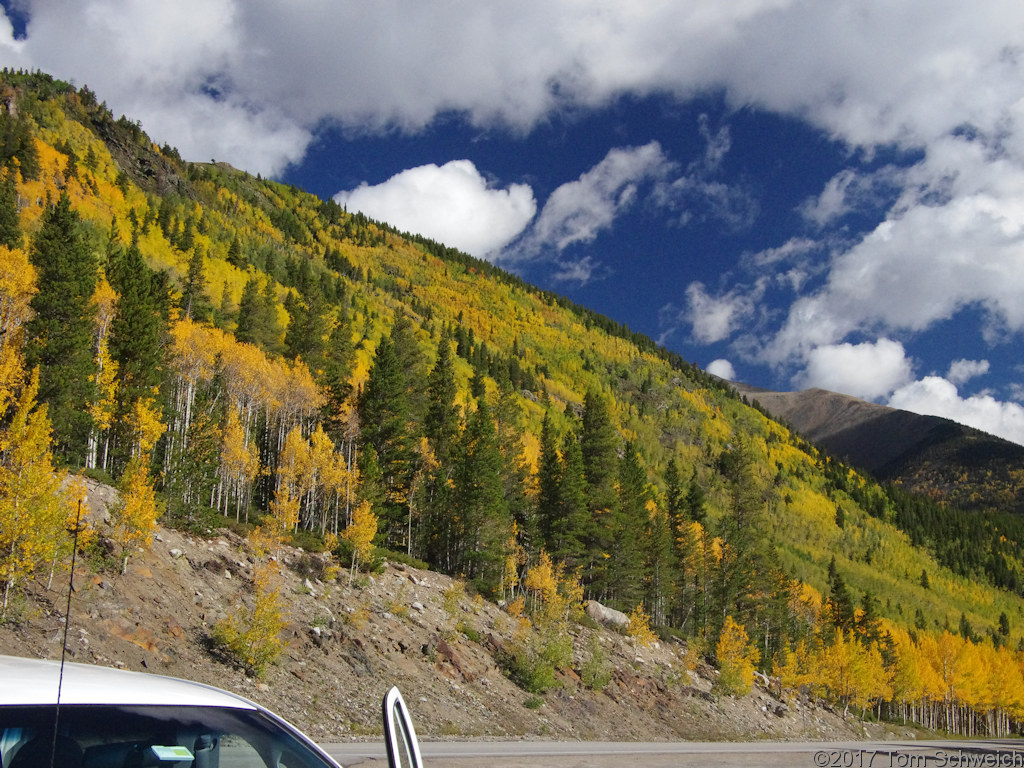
(232, 351)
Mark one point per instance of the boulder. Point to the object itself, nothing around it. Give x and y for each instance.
(604, 615)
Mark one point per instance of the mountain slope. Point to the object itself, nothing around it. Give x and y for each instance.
(309, 364)
(959, 465)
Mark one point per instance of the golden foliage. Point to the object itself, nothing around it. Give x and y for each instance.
(34, 499)
(17, 286)
(737, 659)
(135, 516)
(252, 636)
(640, 627)
(360, 534)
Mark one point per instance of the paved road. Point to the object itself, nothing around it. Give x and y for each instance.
(541, 754)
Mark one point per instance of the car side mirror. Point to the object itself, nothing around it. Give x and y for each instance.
(399, 734)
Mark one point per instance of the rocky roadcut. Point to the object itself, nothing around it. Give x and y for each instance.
(346, 645)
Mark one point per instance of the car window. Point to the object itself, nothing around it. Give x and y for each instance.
(169, 737)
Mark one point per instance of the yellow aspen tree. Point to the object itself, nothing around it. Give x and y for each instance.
(737, 659)
(541, 583)
(33, 504)
(146, 427)
(799, 668)
(292, 464)
(872, 678)
(1006, 682)
(284, 514)
(973, 682)
(932, 678)
(319, 478)
(135, 516)
(907, 679)
(252, 635)
(949, 652)
(80, 532)
(360, 535)
(515, 558)
(102, 408)
(640, 628)
(239, 466)
(555, 596)
(194, 350)
(17, 286)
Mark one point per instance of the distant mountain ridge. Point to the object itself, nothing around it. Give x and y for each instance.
(959, 465)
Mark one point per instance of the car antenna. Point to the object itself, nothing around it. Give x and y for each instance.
(64, 642)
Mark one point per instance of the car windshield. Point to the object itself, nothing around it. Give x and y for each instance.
(167, 736)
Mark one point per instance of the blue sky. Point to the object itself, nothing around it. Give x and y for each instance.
(790, 193)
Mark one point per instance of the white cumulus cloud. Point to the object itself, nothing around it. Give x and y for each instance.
(936, 396)
(722, 368)
(962, 371)
(578, 210)
(453, 204)
(869, 370)
(251, 81)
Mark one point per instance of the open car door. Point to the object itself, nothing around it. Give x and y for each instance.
(399, 735)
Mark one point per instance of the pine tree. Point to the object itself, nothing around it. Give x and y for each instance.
(384, 425)
(675, 496)
(695, 500)
(549, 479)
(339, 355)
(135, 332)
(413, 364)
(308, 329)
(235, 256)
(59, 336)
(661, 576)
(10, 227)
(441, 422)
(195, 303)
(599, 442)
(868, 623)
(572, 528)
(480, 502)
(841, 611)
(623, 572)
(257, 315)
(508, 431)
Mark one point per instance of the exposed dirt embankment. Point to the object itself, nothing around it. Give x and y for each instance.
(347, 644)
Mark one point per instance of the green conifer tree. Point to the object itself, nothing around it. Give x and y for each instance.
(599, 443)
(624, 568)
(572, 528)
(250, 313)
(549, 479)
(195, 302)
(235, 256)
(480, 502)
(337, 373)
(59, 335)
(135, 332)
(508, 425)
(441, 422)
(10, 227)
(413, 363)
(384, 425)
